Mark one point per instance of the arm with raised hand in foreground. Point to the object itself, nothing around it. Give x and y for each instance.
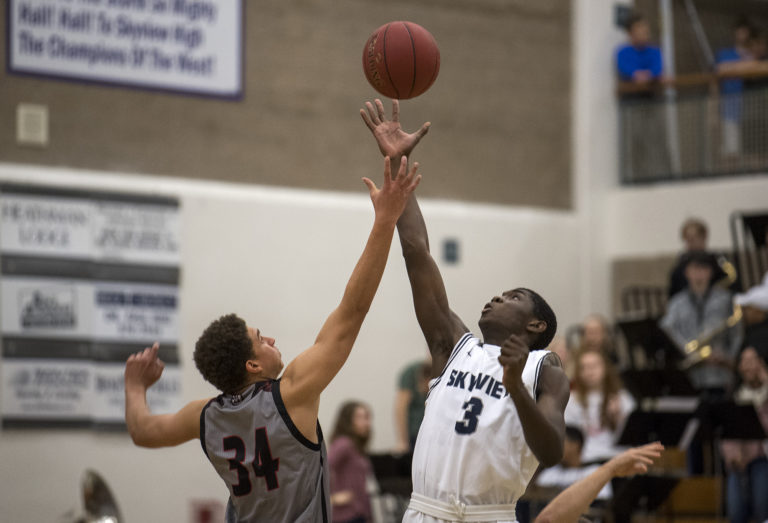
(574, 501)
(142, 370)
(441, 327)
(312, 370)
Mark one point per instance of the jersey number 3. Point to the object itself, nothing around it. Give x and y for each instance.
(472, 409)
(264, 466)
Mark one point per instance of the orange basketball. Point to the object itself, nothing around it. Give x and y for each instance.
(401, 60)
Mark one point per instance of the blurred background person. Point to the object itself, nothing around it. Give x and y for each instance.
(745, 461)
(599, 405)
(639, 68)
(571, 469)
(350, 468)
(597, 335)
(694, 233)
(412, 386)
(560, 347)
(695, 313)
(731, 88)
(638, 61)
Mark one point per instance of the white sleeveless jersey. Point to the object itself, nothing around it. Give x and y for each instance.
(471, 446)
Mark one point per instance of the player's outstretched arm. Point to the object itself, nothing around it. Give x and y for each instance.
(311, 371)
(441, 327)
(542, 418)
(574, 501)
(142, 370)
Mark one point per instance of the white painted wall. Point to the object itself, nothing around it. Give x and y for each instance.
(281, 258)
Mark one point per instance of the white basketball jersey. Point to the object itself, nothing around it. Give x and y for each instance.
(471, 445)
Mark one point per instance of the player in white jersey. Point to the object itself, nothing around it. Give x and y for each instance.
(262, 435)
(494, 411)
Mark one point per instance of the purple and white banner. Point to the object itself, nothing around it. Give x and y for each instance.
(178, 45)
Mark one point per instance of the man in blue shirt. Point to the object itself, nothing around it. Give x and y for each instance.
(638, 61)
(731, 88)
(644, 153)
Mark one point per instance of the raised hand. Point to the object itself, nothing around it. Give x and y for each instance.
(144, 368)
(389, 201)
(514, 354)
(390, 137)
(635, 460)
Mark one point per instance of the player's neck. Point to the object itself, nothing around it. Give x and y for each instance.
(499, 336)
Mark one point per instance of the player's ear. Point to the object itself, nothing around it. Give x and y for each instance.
(252, 366)
(536, 326)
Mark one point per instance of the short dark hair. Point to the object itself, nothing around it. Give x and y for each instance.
(542, 311)
(631, 20)
(221, 353)
(575, 434)
(743, 21)
(700, 258)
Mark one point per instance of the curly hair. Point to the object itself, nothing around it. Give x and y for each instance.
(221, 353)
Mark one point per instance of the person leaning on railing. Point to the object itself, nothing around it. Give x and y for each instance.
(638, 62)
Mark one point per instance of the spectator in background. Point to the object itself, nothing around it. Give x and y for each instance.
(560, 347)
(639, 68)
(413, 384)
(638, 61)
(599, 405)
(568, 506)
(745, 461)
(697, 311)
(350, 469)
(570, 469)
(597, 335)
(731, 88)
(694, 233)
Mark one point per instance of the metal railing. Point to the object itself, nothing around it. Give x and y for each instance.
(694, 126)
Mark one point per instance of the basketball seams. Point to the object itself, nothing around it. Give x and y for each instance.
(413, 53)
(386, 65)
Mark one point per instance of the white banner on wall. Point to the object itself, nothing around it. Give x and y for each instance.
(78, 391)
(180, 45)
(78, 227)
(79, 309)
(86, 279)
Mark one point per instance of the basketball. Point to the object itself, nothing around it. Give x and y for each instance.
(401, 60)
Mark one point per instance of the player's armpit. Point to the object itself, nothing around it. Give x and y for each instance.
(166, 430)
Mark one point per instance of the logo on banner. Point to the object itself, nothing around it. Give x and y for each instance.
(42, 308)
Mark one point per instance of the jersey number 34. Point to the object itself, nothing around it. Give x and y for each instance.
(264, 466)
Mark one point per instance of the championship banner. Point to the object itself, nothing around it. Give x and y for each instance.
(87, 278)
(192, 46)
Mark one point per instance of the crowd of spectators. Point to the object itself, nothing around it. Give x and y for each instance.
(737, 76)
(704, 306)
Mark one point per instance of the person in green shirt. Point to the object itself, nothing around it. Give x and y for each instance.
(409, 405)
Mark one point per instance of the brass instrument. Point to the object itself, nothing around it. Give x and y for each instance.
(700, 349)
(99, 505)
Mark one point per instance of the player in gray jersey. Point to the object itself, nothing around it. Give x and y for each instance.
(261, 434)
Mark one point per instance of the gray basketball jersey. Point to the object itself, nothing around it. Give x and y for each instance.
(274, 474)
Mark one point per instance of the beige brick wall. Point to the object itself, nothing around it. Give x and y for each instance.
(500, 107)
